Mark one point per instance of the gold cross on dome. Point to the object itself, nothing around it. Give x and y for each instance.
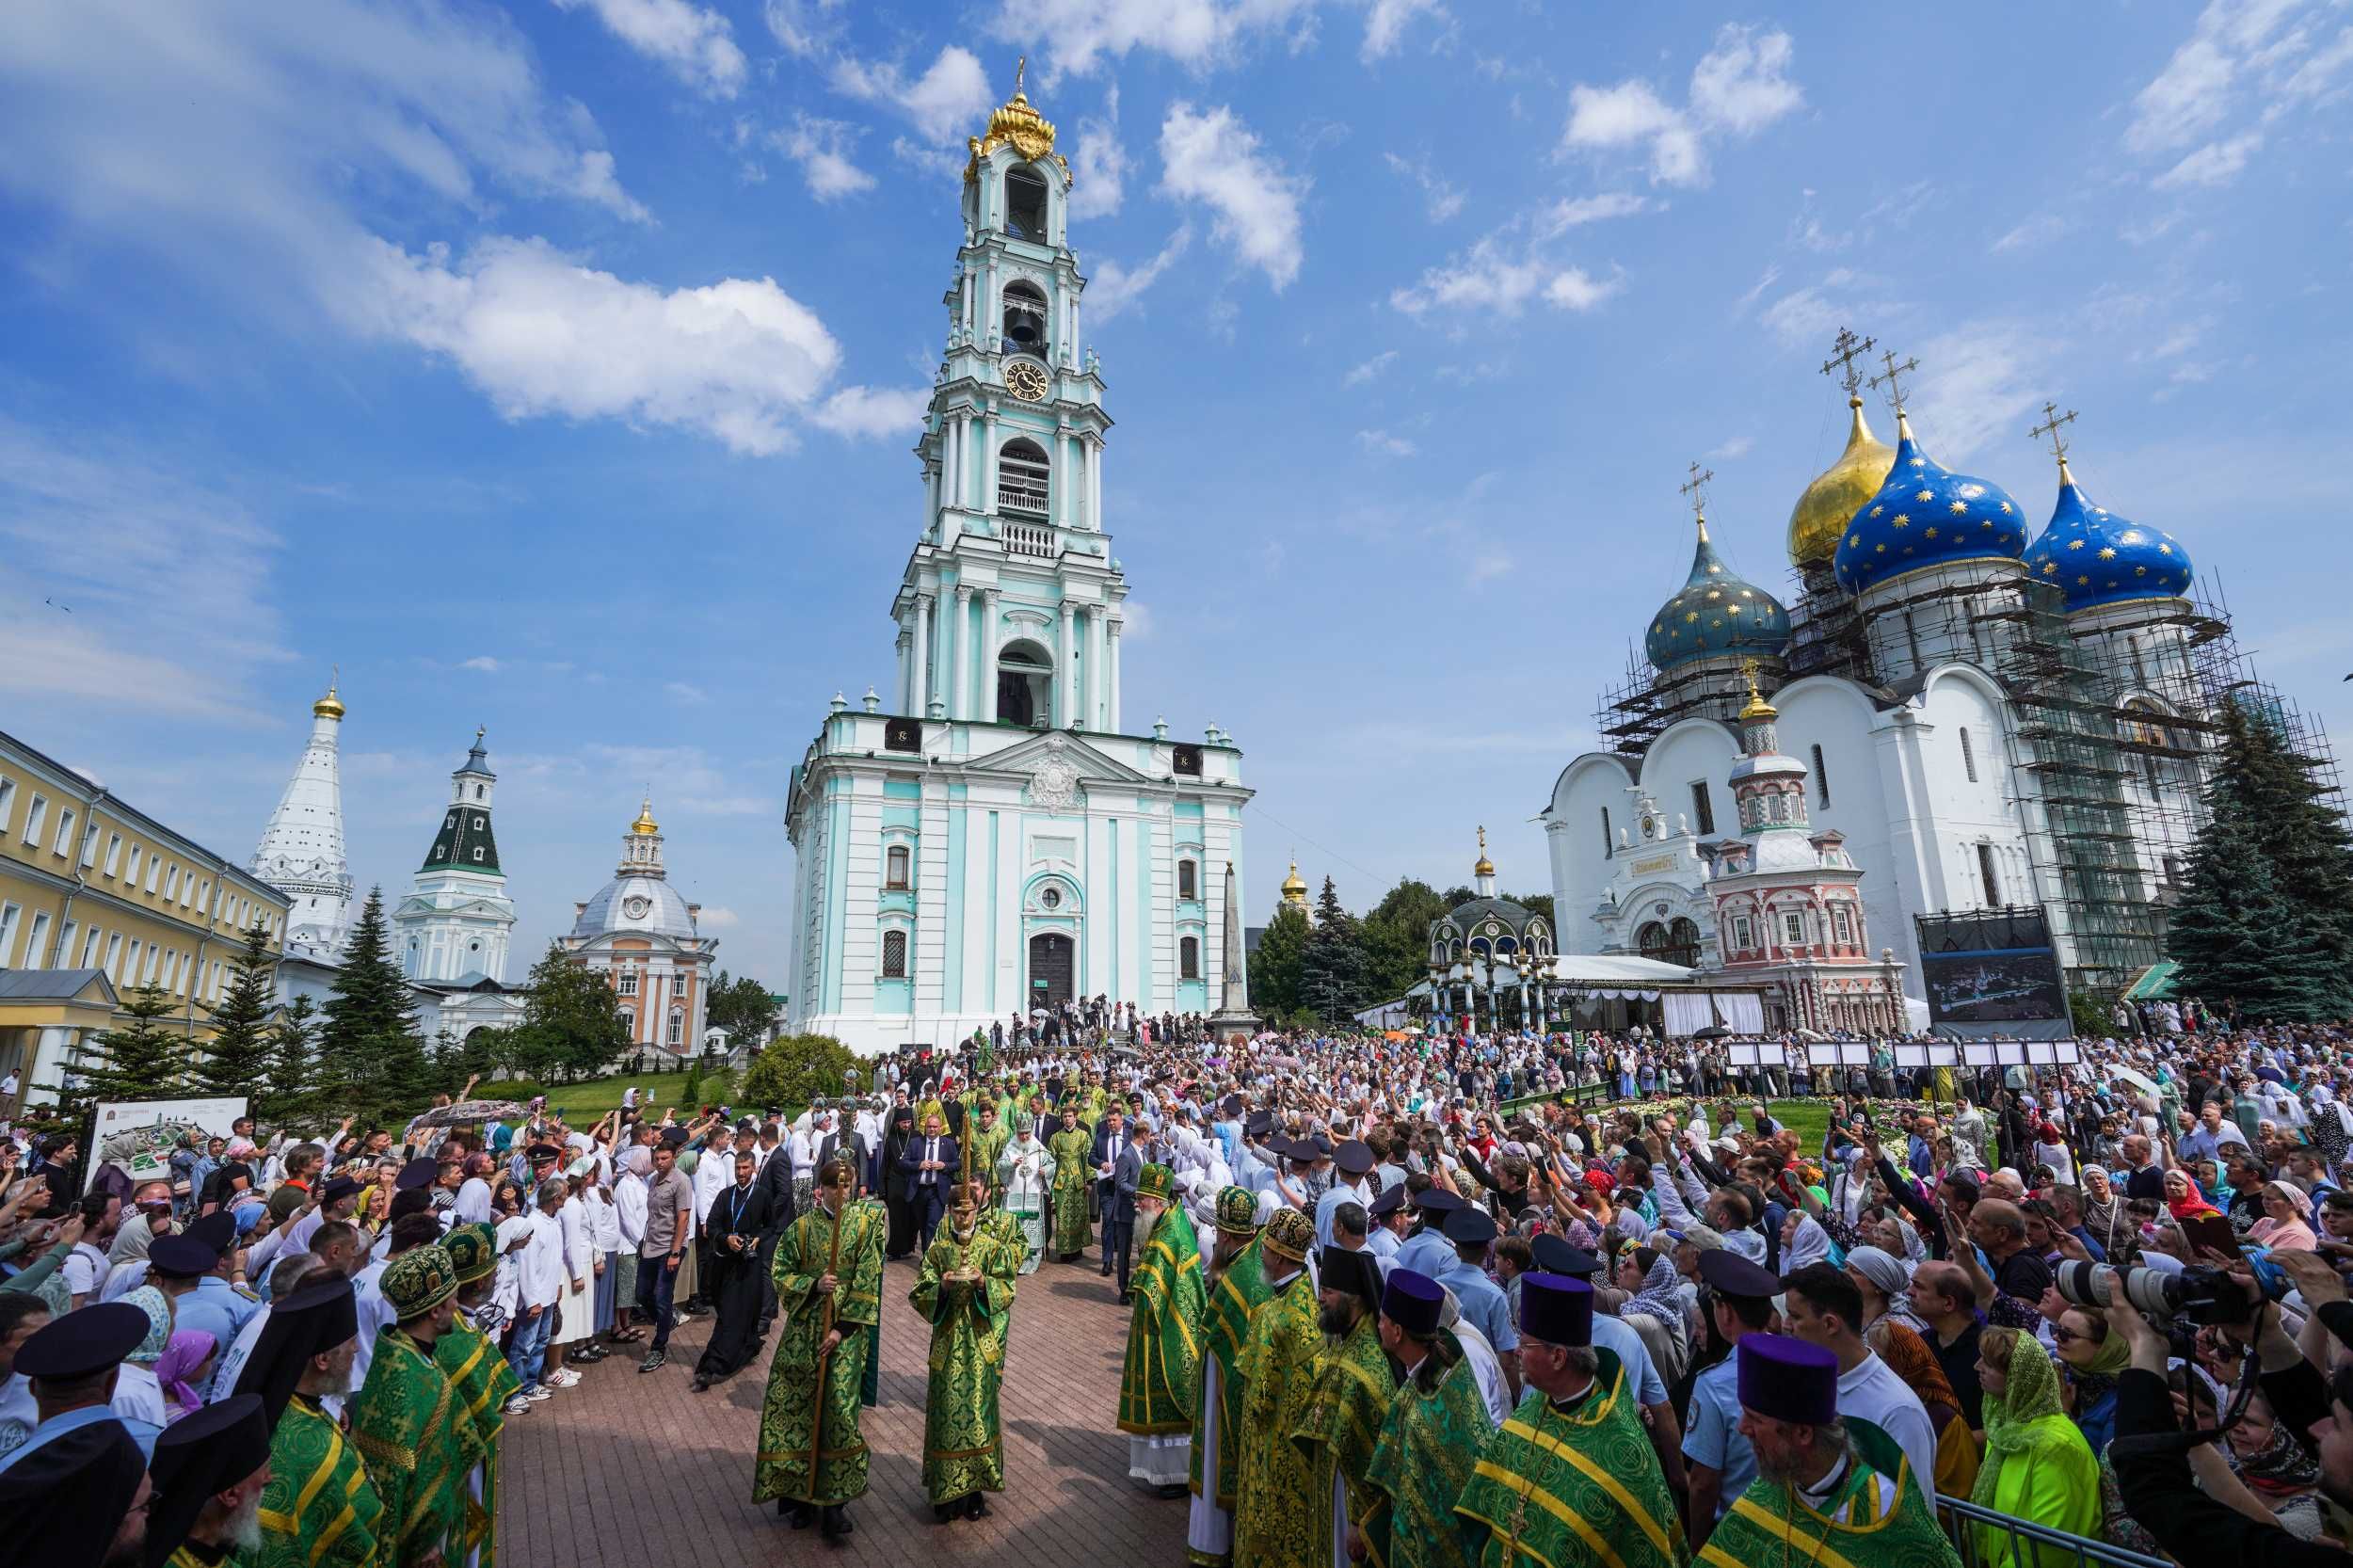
(1697, 490)
(1021, 68)
(1890, 380)
(1847, 349)
(2053, 425)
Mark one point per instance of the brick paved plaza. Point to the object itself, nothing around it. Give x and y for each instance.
(637, 1470)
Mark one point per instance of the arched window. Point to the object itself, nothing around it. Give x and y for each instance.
(1652, 940)
(1025, 684)
(1968, 755)
(1189, 959)
(1025, 205)
(894, 955)
(1024, 317)
(1188, 880)
(1022, 477)
(895, 862)
(1683, 942)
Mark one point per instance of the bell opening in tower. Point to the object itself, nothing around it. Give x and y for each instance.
(1025, 678)
(1024, 317)
(1025, 205)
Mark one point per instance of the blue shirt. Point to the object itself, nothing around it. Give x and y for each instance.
(1330, 1201)
(1711, 1432)
(1429, 1252)
(58, 1426)
(1483, 1304)
(1617, 1336)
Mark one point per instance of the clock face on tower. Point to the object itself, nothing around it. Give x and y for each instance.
(1026, 379)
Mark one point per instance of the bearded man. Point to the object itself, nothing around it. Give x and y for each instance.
(319, 1509)
(210, 1469)
(965, 1291)
(1428, 1439)
(812, 1458)
(1351, 1394)
(1281, 1520)
(1157, 1387)
(1237, 1288)
(405, 1420)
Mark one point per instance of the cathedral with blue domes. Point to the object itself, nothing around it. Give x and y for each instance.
(1982, 715)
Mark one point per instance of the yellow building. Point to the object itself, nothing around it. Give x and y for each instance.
(97, 898)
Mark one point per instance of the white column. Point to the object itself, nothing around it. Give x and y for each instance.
(1061, 479)
(1065, 682)
(989, 644)
(1095, 483)
(959, 701)
(923, 656)
(906, 674)
(988, 461)
(1099, 644)
(1110, 676)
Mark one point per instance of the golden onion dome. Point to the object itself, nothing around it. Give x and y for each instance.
(644, 823)
(1485, 867)
(1757, 707)
(328, 707)
(1828, 503)
(1294, 885)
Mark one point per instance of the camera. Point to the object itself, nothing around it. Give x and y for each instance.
(2200, 1294)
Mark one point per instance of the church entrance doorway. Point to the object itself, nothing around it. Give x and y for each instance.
(1051, 955)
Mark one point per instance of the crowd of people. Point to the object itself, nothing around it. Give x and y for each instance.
(1408, 1298)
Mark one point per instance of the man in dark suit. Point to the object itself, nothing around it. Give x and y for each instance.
(776, 1180)
(845, 1142)
(738, 1219)
(929, 1168)
(1113, 1140)
(1119, 1209)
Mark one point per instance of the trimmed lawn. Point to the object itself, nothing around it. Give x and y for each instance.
(583, 1103)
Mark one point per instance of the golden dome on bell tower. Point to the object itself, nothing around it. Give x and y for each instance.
(644, 823)
(1295, 889)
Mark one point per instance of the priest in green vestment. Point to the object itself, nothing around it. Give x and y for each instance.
(986, 1136)
(1571, 1478)
(1073, 1148)
(965, 1291)
(484, 1381)
(406, 1421)
(1159, 1385)
(1280, 1519)
(1432, 1434)
(1814, 1499)
(1351, 1393)
(1237, 1288)
(319, 1509)
(812, 1457)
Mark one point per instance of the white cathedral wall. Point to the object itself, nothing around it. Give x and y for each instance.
(1581, 868)
(1694, 752)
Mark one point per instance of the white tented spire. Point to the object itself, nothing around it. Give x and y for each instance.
(301, 853)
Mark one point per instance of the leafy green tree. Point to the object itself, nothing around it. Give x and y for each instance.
(573, 1021)
(372, 1060)
(292, 1063)
(1397, 938)
(742, 1008)
(1275, 969)
(1538, 903)
(795, 1069)
(137, 1059)
(236, 1059)
(1333, 974)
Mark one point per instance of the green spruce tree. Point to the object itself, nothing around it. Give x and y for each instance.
(2235, 937)
(236, 1059)
(293, 1063)
(371, 1061)
(1332, 978)
(1275, 969)
(140, 1059)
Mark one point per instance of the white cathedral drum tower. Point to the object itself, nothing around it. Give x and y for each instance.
(993, 840)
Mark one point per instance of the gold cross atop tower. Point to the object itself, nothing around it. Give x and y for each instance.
(1697, 490)
(1847, 349)
(2053, 425)
(1021, 68)
(1890, 380)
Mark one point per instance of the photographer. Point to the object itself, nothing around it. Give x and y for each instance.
(2156, 1476)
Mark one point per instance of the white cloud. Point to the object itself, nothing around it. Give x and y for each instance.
(1082, 34)
(821, 148)
(1574, 289)
(939, 162)
(872, 411)
(1978, 386)
(1501, 275)
(804, 27)
(1736, 447)
(1380, 444)
(2152, 228)
(696, 46)
(685, 777)
(104, 528)
(2037, 231)
(1370, 369)
(2217, 162)
(951, 98)
(1578, 211)
(540, 333)
(679, 691)
(1756, 291)
(1487, 565)
(1815, 311)
(1740, 86)
(1440, 197)
(1385, 24)
(718, 917)
(1212, 158)
(1112, 288)
(483, 663)
(1098, 164)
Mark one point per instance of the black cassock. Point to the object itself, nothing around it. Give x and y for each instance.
(900, 1240)
(735, 1278)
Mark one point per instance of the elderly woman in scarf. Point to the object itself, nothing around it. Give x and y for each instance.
(2286, 1222)
(1907, 1353)
(2089, 1356)
(1802, 1242)
(1653, 1299)
(183, 1372)
(2038, 1468)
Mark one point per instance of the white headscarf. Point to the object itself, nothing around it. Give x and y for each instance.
(1810, 1245)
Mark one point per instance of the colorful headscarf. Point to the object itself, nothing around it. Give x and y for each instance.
(180, 1359)
(1658, 1296)
(158, 1310)
(2013, 1418)
(1909, 1356)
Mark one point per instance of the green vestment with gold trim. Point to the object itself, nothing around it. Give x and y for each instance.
(406, 1423)
(319, 1509)
(1770, 1523)
(1163, 1376)
(1342, 1424)
(1427, 1443)
(1074, 1168)
(1280, 1519)
(1238, 1292)
(963, 1448)
(484, 1382)
(1572, 1487)
(811, 1447)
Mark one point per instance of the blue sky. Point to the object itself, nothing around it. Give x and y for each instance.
(554, 368)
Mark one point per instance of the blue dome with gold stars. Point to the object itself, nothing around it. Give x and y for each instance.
(1718, 611)
(2096, 557)
(1926, 515)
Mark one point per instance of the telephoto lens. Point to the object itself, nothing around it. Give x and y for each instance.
(2154, 1292)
